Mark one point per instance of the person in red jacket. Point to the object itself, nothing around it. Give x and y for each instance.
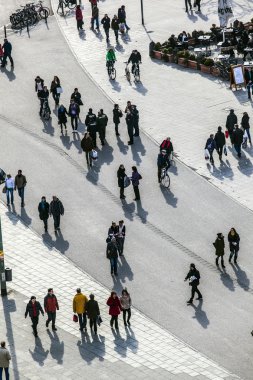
(167, 145)
(114, 309)
(50, 307)
(79, 18)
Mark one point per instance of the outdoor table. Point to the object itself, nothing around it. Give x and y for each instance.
(223, 56)
(248, 63)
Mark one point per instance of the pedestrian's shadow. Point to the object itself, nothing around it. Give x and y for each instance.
(142, 214)
(91, 349)
(25, 218)
(115, 85)
(138, 147)
(227, 280)
(56, 347)
(93, 174)
(107, 155)
(169, 196)
(48, 128)
(139, 87)
(119, 48)
(39, 354)
(12, 215)
(200, 315)
(59, 243)
(131, 340)
(128, 209)
(9, 73)
(241, 276)
(82, 35)
(125, 270)
(65, 138)
(122, 146)
(98, 34)
(192, 16)
(77, 142)
(120, 344)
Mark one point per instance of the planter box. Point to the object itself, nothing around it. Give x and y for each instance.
(181, 62)
(192, 65)
(171, 58)
(215, 72)
(157, 54)
(205, 69)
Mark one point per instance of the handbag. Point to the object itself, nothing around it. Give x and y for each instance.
(4, 190)
(75, 318)
(126, 181)
(207, 156)
(59, 90)
(226, 134)
(94, 154)
(99, 320)
(225, 150)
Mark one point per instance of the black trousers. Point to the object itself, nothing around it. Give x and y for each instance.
(51, 317)
(128, 313)
(93, 323)
(121, 192)
(116, 128)
(82, 318)
(93, 135)
(107, 33)
(186, 4)
(5, 59)
(136, 192)
(136, 128)
(217, 260)
(57, 219)
(35, 321)
(114, 320)
(56, 97)
(219, 150)
(195, 290)
(197, 2)
(74, 121)
(45, 224)
(130, 130)
(120, 244)
(88, 158)
(116, 32)
(79, 24)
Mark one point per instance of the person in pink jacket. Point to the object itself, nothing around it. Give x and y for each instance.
(114, 309)
(79, 18)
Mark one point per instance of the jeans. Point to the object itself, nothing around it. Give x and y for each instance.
(195, 289)
(114, 319)
(57, 219)
(21, 193)
(219, 151)
(137, 193)
(8, 193)
(74, 121)
(88, 158)
(248, 88)
(51, 317)
(56, 97)
(128, 313)
(45, 224)
(93, 322)
(6, 370)
(107, 33)
(233, 252)
(5, 60)
(248, 133)
(82, 321)
(93, 20)
(114, 263)
(35, 321)
(238, 149)
(116, 32)
(120, 243)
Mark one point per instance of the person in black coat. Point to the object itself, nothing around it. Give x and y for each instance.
(93, 312)
(106, 24)
(112, 255)
(130, 126)
(112, 231)
(120, 236)
(74, 112)
(220, 141)
(56, 209)
(121, 180)
(135, 114)
(7, 48)
(43, 209)
(238, 139)
(91, 123)
(230, 124)
(62, 117)
(102, 121)
(77, 97)
(33, 308)
(115, 27)
(233, 239)
(219, 246)
(117, 114)
(245, 125)
(210, 146)
(193, 276)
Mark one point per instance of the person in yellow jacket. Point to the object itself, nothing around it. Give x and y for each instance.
(79, 308)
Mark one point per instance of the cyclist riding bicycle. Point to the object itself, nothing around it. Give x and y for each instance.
(110, 59)
(163, 161)
(43, 96)
(167, 146)
(135, 58)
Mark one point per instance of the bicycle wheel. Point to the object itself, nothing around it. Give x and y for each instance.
(113, 73)
(137, 75)
(128, 75)
(71, 4)
(166, 180)
(43, 13)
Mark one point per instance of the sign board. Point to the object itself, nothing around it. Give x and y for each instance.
(225, 12)
(237, 76)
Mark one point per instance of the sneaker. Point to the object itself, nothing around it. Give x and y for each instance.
(129, 324)
(189, 302)
(47, 323)
(54, 328)
(199, 298)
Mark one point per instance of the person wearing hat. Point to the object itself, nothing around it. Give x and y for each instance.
(162, 162)
(33, 308)
(79, 307)
(193, 276)
(219, 246)
(220, 141)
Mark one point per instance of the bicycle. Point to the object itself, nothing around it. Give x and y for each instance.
(111, 70)
(71, 4)
(127, 72)
(136, 72)
(42, 12)
(165, 178)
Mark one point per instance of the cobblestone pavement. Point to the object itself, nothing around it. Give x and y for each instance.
(181, 103)
(143, 351)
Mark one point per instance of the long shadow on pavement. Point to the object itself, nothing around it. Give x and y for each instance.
(200, 315)
(91, 349)
(227, 280)
(241, 276)
(59, 243)
(39, 354)
(56, 347)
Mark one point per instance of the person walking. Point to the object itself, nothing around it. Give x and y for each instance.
(77, 97)
(168, 146)
(230, 124)
(114, 309)
(7, 48)
(93, 312)
(79, 18)
(50, 307)
(9, 186)
(117, 114)
(91, 123)
(62, 117)
(43, 96)
(56, 89)
(39, 85)
(5, 358)
(56, 209)
(1, 53)
(87, 146)
(197, 4)
(106, 22)
(245, 125)
(112, 255)
(74, 111)
(102, 121)
(220, 142)
(238, 140)
(20, 183)
(95, 17)
(135, 114)
(130, 126)
(120, 236)
(43, 209)
(163, 161)
(193, 276)
(115, 27)
(219, 246)
(188, 2)
(112, 230)
(122, 16)
(135, 182)
(126, 303)
(121, 180)
(210, 146)
(79, 307)
(33, 308)
(234, 240)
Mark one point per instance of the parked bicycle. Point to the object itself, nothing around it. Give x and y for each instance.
(71, 4)
(29, 14)
(111, 70)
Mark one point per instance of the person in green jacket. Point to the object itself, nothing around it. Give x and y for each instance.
(110, 58)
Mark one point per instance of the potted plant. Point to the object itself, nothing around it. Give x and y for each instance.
(165, 53)
(206, 65)
(157, 51)
(192, 62)
(170, 54)
(183, 57)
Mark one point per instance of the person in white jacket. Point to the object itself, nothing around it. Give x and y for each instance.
(9, 185)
